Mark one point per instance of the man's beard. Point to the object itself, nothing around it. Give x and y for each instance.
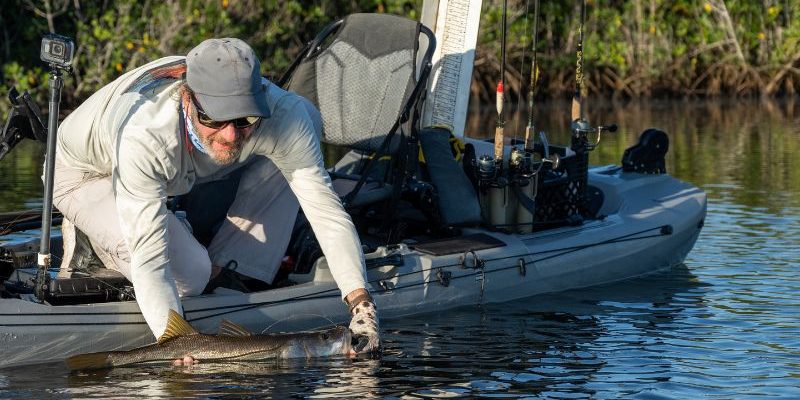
(221, 157)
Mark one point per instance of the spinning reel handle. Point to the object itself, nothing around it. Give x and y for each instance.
(607, 128)
(581, 130)
(553, 159)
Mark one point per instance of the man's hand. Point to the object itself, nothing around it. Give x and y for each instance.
(185, 361)
(364, 324)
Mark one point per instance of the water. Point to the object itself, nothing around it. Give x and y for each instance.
(724, 325)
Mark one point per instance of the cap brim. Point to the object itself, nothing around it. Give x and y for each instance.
(226, 108)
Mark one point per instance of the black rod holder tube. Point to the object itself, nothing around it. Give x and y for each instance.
(56, 83)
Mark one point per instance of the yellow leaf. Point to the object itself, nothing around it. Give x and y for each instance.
(773, 11)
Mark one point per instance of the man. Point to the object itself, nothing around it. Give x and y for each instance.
(179, 121)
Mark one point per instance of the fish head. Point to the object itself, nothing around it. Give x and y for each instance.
(334, 341)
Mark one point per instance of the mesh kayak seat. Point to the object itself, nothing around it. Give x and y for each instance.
(367, 74)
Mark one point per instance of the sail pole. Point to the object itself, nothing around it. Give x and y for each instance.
(499, 135)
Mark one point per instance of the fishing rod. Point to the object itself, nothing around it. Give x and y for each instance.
(580, 126)
(533, 88)
(508, 189)
(577, 97)
(499, 134)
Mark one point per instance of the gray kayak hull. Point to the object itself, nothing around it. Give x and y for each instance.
(651, 223)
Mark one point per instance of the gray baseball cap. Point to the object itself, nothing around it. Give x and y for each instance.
(225, 76)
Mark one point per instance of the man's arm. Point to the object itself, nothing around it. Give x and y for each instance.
(332, 226)
(297, 154)
(139, 178)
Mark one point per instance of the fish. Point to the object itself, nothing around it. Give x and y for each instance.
(232, 343)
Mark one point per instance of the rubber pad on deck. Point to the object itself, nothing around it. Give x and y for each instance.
(461, 244)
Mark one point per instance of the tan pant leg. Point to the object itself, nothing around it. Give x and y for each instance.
(259, 224)
(88, 202)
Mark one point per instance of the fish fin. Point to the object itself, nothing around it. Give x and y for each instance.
(88, 361)
(176, 326)
(228, 328)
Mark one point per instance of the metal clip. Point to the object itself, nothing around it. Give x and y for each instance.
(443, 277)
(386, 286)
(476, 262)
(482, 279)
(522, 268)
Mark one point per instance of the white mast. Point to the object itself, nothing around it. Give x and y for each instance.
(455, 23)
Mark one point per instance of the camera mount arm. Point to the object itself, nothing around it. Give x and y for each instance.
(57, 52)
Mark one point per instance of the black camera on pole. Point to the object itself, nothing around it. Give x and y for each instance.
(57, 50)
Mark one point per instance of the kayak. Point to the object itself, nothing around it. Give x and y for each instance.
(647, 223)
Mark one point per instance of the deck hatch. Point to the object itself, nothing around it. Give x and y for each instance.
(475, 242)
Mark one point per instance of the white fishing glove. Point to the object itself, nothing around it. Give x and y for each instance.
(364, 325)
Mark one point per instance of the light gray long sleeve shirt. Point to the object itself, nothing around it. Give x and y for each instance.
(131, 129)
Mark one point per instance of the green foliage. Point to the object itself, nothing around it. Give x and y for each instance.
(116, 36)
(632, 47)
(646, 47)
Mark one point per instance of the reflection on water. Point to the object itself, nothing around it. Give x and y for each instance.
(725, 325)
(20, 172)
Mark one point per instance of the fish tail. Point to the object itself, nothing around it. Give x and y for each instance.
(89, 361)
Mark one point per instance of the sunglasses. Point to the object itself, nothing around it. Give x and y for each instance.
(238, 123)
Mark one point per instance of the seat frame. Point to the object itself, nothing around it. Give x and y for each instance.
(407, 119)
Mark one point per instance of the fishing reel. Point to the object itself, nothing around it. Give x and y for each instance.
(487, 171)
(581, 130)
(547, 159)
(553, 159)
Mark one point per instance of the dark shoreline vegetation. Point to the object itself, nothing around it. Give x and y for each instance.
(634, 48)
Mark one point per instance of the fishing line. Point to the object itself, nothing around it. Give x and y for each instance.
(522, 67)
(499, 130)
(503, 46)
(265, 330)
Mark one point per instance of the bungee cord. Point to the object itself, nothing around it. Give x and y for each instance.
(664, 230)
